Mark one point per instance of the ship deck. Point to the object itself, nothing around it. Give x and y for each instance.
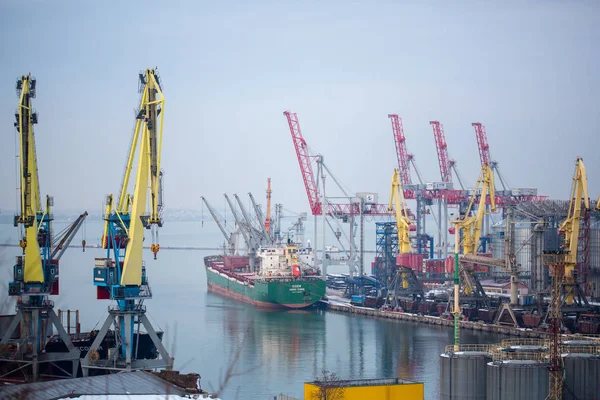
(250, 277)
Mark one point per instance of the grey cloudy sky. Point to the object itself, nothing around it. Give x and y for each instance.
(528, 70)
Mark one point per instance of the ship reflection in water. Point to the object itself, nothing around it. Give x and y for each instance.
(270, 340)
(279, 350)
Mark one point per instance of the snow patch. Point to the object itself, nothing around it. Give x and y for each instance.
(139, 397)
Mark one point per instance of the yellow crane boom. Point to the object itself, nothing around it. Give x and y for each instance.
(30, 190)
(403, 222)
(148, 131)
(570, 226)
(470, 226)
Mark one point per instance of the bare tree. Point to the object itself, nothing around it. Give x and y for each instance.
(329, 387)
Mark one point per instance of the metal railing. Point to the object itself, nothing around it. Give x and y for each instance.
(592, 349)
(539, 356)
(365, 382)
(134, 308)
(484, 348)
(524, 342)
(592, 337)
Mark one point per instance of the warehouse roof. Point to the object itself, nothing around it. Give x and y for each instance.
(128, 383)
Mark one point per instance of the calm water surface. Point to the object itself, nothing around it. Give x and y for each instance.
(278, 351)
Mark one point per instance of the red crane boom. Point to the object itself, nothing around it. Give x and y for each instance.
(304, 160)
(401, 152)
(442, 151)
(482, 143)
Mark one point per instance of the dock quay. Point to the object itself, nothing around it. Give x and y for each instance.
(426, 319)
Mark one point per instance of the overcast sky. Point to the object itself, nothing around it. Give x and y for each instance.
(527, 70)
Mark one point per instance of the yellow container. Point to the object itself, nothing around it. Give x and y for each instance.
(381, 389)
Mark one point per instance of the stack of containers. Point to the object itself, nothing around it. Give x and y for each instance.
(412, 261)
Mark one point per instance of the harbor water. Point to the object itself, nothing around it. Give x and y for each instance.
(272, 352)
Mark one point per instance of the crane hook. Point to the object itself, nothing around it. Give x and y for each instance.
(155, 248)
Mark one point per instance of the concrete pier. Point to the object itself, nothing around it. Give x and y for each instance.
(426, 319)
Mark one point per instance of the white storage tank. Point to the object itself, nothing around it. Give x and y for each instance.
(523, 247)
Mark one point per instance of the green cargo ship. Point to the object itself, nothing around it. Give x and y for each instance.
(279, 281)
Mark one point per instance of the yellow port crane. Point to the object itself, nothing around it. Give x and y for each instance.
(35, 274)
(570, 228)
(405, 281)
(121, 276)
(469, 227)
(565, 288)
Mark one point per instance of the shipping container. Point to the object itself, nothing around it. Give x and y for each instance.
(435, 266)
(412, 261)
(235, 262)
(357, 300)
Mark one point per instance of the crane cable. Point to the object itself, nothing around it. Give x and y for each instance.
(83, 235)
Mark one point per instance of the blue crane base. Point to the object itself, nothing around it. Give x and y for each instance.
(125, 357)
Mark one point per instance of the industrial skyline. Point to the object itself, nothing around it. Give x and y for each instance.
(524, 71)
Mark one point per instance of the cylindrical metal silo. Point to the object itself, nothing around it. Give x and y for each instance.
(463, 373)
(523, 246)
(497, 243)
(581, 360)
(517, 380)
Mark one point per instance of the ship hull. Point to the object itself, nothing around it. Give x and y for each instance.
(274, 294)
